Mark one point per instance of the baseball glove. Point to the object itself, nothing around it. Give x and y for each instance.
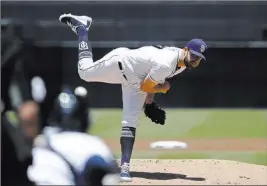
(155, 113)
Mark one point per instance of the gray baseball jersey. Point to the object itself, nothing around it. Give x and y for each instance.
(136, 65)
(158, 63)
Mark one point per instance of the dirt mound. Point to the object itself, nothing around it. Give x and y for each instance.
(196, 172)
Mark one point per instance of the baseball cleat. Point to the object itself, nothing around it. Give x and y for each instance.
(125, 175)
(75, 22)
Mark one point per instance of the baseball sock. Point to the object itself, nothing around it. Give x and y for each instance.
(85, 50)
(127, 142)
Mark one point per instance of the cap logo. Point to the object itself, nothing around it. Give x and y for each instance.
(202, 48)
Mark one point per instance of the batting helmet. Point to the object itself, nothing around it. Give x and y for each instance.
(71, 110)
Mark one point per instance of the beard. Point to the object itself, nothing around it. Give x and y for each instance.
(191, 64)
(188, 64)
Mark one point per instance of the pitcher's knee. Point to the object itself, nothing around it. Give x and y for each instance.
(84, 66)
(81, 74)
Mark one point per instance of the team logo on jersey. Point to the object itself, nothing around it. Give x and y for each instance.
(202, 48)
(83, 46)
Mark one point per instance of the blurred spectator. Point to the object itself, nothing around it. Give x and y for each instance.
(18, 113)
(13, 170)
(28, 114)
(16, 156)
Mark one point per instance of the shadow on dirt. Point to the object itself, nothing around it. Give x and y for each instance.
(164, 176)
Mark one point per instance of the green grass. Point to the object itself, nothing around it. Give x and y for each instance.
(232, 123)
(191, 123)
(187, 123)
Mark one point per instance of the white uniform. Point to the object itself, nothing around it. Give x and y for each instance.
(52, 167)
(158, 63)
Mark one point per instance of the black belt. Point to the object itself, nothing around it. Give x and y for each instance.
(122, 71)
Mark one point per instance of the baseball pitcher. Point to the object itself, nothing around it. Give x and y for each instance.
(141, 72)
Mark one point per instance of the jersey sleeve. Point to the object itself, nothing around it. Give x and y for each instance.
(163, 61)
(159, 73)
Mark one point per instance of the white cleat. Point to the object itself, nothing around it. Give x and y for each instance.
(125, 175)
(75, 22)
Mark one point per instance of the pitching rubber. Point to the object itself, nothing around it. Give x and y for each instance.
(168, 145)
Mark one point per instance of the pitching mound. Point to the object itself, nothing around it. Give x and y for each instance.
(196, 172)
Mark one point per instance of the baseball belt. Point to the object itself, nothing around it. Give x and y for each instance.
(122, 71)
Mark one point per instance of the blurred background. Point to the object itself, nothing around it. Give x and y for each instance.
(224, 99)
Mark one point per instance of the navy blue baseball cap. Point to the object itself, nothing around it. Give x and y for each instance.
(197, 47)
